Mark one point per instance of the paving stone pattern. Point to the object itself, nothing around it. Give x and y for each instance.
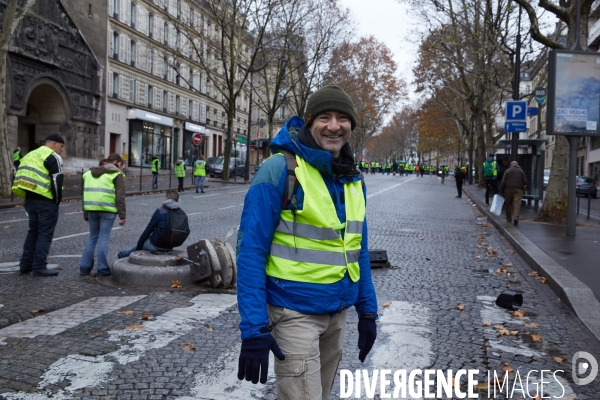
(442, 252)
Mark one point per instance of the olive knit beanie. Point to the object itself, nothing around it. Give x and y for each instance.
(330, 98)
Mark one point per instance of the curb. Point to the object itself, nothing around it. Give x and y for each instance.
(570, 290)
(19, 202)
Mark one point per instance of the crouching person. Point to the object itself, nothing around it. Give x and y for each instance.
(167, 229)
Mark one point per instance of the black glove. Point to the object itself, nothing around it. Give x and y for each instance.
(254, 357)
(367, 332)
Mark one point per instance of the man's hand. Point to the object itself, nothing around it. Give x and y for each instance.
(367, 333)
(122, 222)
(254, 358)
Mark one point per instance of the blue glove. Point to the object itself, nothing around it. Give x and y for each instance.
(367, 333)
(254, 357)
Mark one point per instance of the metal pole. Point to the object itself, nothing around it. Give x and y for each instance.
(578, 198)
(576, 45)
(170, 173)
(589, 205)
(140, 175)
(247, 162)
(571, 216)
(514, 150)
(12, 180)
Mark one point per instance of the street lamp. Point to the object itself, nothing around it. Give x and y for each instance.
(284, 60)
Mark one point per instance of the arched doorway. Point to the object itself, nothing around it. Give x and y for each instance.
(45, 114)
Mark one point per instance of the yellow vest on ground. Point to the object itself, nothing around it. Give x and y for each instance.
(200, 168)
(180, 170)
(32, 175)
(308, 245)
(99, 193)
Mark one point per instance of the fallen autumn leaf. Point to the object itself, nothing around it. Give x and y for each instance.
(387, 304)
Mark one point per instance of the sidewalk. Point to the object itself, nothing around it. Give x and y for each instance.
(134, 185)
(567, 262)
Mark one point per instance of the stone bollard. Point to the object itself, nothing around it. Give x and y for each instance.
(206, 260)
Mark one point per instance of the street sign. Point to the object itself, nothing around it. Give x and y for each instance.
(539, 94)
(197, 138)
(515, 126)
(532, 111)
(516, 111)
(241, 139)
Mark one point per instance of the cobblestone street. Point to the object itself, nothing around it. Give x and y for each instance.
(73, 337)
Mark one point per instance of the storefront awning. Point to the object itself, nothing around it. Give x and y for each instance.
(135, 113)
(195, 128)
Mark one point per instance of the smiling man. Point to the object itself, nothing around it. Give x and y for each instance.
(302, 253)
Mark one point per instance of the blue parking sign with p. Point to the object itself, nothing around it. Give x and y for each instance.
(516, 111)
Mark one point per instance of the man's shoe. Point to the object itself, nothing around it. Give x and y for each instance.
(24, 271)
(487, 203)
(45, 272)
(459, 197)
(203, 191)
(516, 222)
(197, 191)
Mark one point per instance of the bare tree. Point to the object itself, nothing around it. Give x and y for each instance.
(554, 208)
(327, 26)
(225, 46)
(366, 70)
(14, 11)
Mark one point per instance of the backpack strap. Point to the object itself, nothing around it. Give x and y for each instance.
(291, 182)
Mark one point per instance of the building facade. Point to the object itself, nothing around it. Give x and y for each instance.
(159, 97)
(54, 84)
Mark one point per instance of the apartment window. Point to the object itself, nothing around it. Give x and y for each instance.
(136, 95)
(207, 114)
(177, 105)
(165, 33)
(111, 83)
(122, 49)
(281, 113)
(113, 8)
(150, 95)
(134, 15)
(130, 58)
(151, 21)
(177, 72)
(164, 67)
(215, 92)
(165, 100)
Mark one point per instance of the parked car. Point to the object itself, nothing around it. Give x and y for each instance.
(235, 164)
(546, 178)
(210, 163)
(586, 186)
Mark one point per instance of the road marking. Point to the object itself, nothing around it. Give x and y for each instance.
(225, 208)
(67, 256)
(388, 188)
(87, 371)
(403, 343)
(14, 220)
(499, 316)
(196, 213)
(208, 195)
(80, 234)
(11, 267)
(73, 212)
(240, 191)
(59, 321)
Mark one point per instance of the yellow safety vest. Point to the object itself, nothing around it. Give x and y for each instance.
(180, 170)
(16, 156)
(155, 165)
(32, 175)
(99, 193)
(200, 168)
(307, 245)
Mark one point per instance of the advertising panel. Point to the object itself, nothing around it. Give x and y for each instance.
(574, 93)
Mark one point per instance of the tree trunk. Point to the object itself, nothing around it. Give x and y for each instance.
(554, 208)
(6, 166)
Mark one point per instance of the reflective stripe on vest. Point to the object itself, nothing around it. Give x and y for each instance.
(200, 168)
(99, 193)
(180, 170)
(309, 247)
(32, 175)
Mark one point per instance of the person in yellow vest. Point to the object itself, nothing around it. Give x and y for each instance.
(39, 181)
(17, 157)
(303, 258)
(155, 168)
(103, 199)
(200, 173)
(180, 174)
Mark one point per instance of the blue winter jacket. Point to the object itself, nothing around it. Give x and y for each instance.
(157, 225)
(260, 217)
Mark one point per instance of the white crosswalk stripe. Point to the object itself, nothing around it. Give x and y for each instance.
(90, 371)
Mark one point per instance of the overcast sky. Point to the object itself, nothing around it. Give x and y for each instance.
(389, 22)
